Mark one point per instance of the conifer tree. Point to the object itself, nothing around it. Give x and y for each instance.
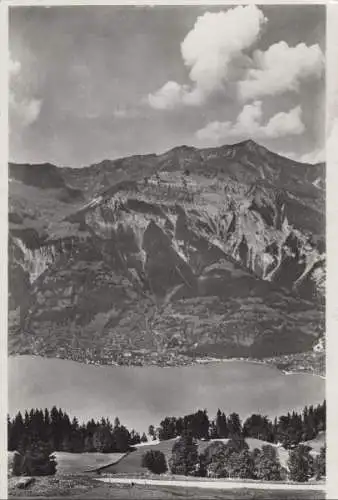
(234, 426)
(221, 425)
(151, 432)
(17, 434)
(102, 440)
(144, 438)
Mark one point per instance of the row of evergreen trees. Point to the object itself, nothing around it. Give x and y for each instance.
(289, 430)
(233, 459)
(63, 434)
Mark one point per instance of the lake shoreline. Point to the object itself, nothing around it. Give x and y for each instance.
(194, 362)
(140, 396)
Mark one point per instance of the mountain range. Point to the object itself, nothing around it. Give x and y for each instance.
(162, 259)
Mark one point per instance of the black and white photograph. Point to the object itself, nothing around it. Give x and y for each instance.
(167, 251)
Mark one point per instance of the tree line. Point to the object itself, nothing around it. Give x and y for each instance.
(39, 433)
(63, 434)
(56, 429)
(288, 430)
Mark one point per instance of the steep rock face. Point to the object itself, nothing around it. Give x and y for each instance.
(175, 262)
(35, 261)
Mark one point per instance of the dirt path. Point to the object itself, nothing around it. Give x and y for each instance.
(213, 484)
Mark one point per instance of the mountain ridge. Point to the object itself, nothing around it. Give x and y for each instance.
(173, 255)
(250, 143)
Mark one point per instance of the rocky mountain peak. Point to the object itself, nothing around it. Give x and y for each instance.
(221, 248)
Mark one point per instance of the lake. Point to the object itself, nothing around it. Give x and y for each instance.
(141, 396)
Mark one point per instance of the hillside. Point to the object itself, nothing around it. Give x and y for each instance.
(76, 463)
(131, 463)
(159, 259)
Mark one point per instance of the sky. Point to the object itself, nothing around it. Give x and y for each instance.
(87, 83)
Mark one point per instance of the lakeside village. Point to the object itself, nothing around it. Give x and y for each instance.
(310, 362)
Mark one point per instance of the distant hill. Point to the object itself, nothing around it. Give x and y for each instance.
(195, 252)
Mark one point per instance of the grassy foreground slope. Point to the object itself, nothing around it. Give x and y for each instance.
(77, 463)
(75, 478)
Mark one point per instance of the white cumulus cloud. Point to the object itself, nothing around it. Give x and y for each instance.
(172, 94)
(216, 40)
(24, 112)
(249, 125)
(14, 67)
(281, 68)
(24, 109)
(319, 155)
(315, 156)
(283, 124)
(210, 51)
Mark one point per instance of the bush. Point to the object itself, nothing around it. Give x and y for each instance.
(35, 460)
(154, 461)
